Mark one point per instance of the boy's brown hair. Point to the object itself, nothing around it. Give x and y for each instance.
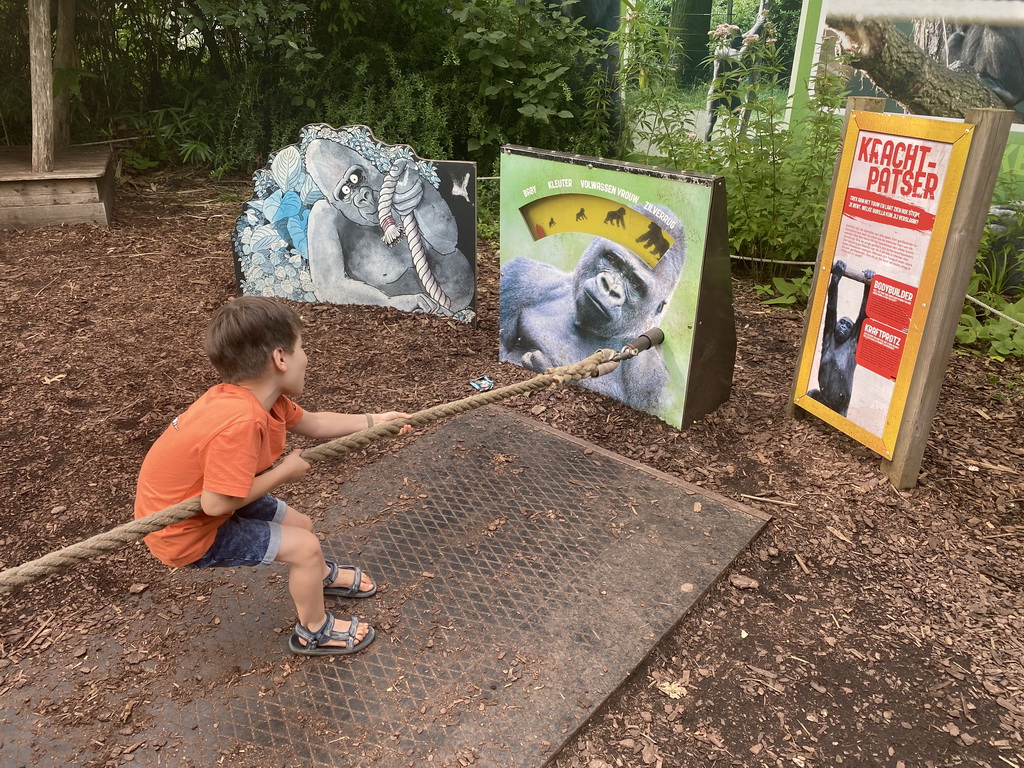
(244, 333)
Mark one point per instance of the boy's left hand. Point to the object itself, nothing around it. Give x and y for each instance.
(390, 416)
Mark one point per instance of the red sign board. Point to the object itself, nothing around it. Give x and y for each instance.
(891, 302)
(880, 348)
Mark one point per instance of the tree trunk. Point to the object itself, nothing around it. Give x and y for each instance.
(691, 20)
(64, 59)
(930, 36)
(220, 69)
(41, 66)
(919, 84)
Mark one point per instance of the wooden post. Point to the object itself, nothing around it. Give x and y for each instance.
(966, 225)
(854, 103)
(64, 59)
(41, 65)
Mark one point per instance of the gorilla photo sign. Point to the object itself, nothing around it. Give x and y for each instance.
(594, 253)
(896, 187)
(343, 218)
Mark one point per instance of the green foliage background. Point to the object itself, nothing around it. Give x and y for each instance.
(222, 83)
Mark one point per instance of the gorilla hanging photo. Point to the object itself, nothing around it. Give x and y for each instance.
(595, 253)
(343, 218)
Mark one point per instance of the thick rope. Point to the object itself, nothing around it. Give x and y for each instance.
(994, 311)
(110, 541)
(392, 233)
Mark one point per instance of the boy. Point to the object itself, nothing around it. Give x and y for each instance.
(223, 449)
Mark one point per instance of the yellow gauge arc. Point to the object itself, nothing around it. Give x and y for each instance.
(590, 214)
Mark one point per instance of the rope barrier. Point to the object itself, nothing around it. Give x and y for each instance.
(601, 362)
(994, 311)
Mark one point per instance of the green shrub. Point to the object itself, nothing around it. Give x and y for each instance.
(997, 337)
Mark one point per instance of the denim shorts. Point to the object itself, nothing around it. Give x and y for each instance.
(251, 536)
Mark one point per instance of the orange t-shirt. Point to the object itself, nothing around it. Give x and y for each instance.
(219, 444)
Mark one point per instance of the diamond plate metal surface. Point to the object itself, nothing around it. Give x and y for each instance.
(524, 574)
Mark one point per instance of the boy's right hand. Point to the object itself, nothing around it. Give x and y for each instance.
(391, 416)
(293, 466)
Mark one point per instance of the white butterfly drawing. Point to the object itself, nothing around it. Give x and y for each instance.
(461, 189)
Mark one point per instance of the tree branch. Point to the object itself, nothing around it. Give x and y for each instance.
(902, 70)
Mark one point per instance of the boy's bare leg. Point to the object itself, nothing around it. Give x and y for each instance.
(300, 550)
(344, 580)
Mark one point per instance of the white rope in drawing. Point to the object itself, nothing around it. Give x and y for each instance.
(384, 210)
(419, 261)
(997, 13)
(392, 233)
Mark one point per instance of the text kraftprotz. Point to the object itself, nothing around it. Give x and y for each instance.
(880, 349)
(898, 167)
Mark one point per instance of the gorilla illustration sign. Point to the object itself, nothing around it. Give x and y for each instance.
(895, 190)
(594, 253)
(340, 217)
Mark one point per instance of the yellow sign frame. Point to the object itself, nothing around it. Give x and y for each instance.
(959, 136)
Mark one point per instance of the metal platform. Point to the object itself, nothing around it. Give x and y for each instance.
(525, 574)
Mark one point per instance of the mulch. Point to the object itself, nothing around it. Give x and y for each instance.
(866, 626)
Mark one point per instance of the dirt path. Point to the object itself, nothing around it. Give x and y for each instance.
(874, 627)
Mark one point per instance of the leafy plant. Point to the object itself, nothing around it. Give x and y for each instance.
(421, 108)
(1000, 261)
(235, 30)
(488, 210)
(1008, 389)
(787, 292)
(138, 161)
(997, 281)
(649, 99)
(778, 173)
(998, 337)
(181, 133)
(526, 57)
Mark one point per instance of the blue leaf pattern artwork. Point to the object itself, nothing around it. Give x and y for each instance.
(287, 168)
(282, 205)
(297, 229)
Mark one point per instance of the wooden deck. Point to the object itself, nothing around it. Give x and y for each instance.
(80, 189)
